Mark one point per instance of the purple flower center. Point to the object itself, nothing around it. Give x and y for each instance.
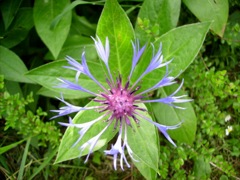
(120, 102)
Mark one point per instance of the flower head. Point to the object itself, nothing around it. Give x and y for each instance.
(228, 118)
(119, 103)
(228, 130)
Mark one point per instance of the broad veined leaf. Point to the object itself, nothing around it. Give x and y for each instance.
(146, 171)
(69, 8)
(210, 10)
(12, 67)
(168, 115)
(143, 141)
(43, 13)
(47, 76)
(115, 25)
(156, 17)
(74, 46)
(13, 87)
(82, 26)
(181, 44)
(18, 30)
(66, 149)
(50, 93)
(9, 10)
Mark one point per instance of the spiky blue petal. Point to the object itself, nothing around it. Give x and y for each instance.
(162, 128)
(92, 142)
(103, 52)
(137, 53)
(171, 99)
(68, 109)
(84, 127)
(69, 85)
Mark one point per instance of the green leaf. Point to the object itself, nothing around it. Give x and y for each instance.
(13, 88)
(161, 15)
(68, 8)
(50, 93)
(232, 35)
(115, 25)
(168, 115)
(74, 46)
(67, 151)
(210, 10)
(43, 13)
(12, 67)
(47, 76)
(19, 28)
(223, 177)
(202, 168)
(9, 10)
(181, 44)
(143, 141)
(146, 171)
(82, 26)
(8, 147)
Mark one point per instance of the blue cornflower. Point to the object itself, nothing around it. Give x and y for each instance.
(119, 102)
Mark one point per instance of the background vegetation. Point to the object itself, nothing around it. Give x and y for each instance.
(29, 140)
